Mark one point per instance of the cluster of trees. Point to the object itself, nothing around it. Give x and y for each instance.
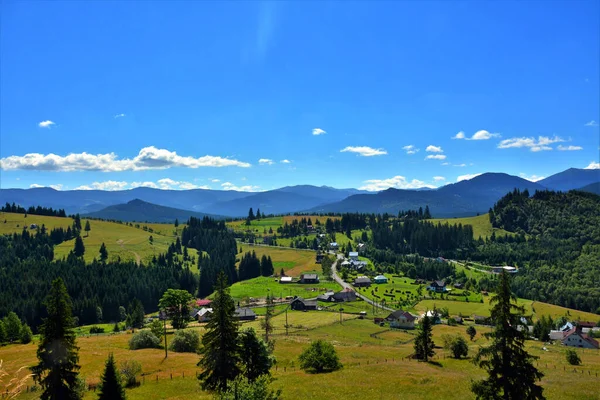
(415, 214)
(12, 330)
(46, 211)
(251, 267)
(27, 270)
(252, 216)
(295, 228)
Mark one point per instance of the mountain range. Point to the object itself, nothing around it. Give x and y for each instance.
(464, 198)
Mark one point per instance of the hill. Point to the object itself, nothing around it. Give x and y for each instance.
(573, 178)
(464, 198)
(591, 188)
(141, 211)
(481, 225)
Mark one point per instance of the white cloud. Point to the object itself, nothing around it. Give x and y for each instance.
(147, 158)
(398, 182)
(593, 165)
(46, 124)
(568, 148)
(36, 186)
(445, 163)
(106, 185)
(265, 161)
(285, 161)
(58, 186)
(170, 184)
(436, 157)
(119, 116)
(318, 131)
(246, 188)
(466, 177)
(592, 123)
(410, 149)
(364, 151)
(439, 178)
(434, 149)
(532, 178)
(144, 184)
(460, 165)
(215, 180)
(542, 143)
(459, 135)
(483, 135)
(55, 187)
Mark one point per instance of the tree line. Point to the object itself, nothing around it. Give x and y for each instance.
(45, 211)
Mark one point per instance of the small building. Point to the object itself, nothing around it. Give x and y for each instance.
(333, 246)
(319, 258)
(437, 286)
(380, 279)
(458, 319)
(362, 281)
(586, 324)
(576, 338)
(309, 278)
(245, 314)
(285, 279)
(203, 303)
(459, 285)
(344, 296)
(556, 335)
(361, 247)
(300, 304)
(401, 320)
(506, 268)
(204, 314)
(353, 255)
(434, 316)
(358, 265)
(328, 296)
(481, 320)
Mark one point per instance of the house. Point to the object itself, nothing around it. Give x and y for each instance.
(380, 279)
(319, 258)
(401, 319)
(204, 314)
(33, 226)
(328, 296)
(245, 314)
(344, 296)
(458, 319)
(301, 304)
(362, 281)
(309, 278)
(434, 316)
(203, 303)
(333, 246)
(361, 247)
(438, 287)
(353, 255)
(358, 265)
(576, 338)
(506, 268)
(481, 320)
(285, 279)
(459, 285)
(556, 335)
(586, 324)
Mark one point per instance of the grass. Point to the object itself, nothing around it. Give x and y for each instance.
(293, 261)
(261, 286)
(370, 354)
(481, 225)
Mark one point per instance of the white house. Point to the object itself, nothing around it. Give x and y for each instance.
(353, 255)
(285, 279)
(401, 319)
(203, 314)
(333, 246)
(576, 338)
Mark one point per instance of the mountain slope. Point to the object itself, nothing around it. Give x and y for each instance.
(141, 211)
(592, 188)
(464, 198)
(573, 178)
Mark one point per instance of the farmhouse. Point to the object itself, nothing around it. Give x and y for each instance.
(309, 278)
(301, 304)
(380, 279)
(353, 255)
(576, 338)
(362, 281)
(401, 319)
(358, 265)
(438, 286)
(344, 295)
(506, 268)
(245, 314)
(434, 316)
(333, 246)
(285, 279)
(346, 264)
(203, 303)
(328, 296)
(203, 314)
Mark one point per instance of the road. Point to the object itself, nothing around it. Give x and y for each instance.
(345, 285)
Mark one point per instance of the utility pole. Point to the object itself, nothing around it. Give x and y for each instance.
(286, 321)
(163, 315)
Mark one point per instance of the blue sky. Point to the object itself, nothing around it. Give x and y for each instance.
(195, 94)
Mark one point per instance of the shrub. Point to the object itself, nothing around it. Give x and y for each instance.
(572, 357)
(459, 347)
(130, 369)
(96, 329)
(471, 331)
(116, 328)
(185, 341)
(26, 334)
(157, 328)
(241, 388)
(143, 340)
(320, 356)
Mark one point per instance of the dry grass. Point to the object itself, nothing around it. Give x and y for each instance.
(294, 262)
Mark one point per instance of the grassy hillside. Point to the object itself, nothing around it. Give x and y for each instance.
(127, 242)
(294, 262)
(481, 225)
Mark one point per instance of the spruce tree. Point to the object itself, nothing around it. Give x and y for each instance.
(103, 253)
(111, 387)
(255, 355)
(79, 248)
(423, 342)
(511, 373)
(88, 228)
(57, 370)
(220, 347)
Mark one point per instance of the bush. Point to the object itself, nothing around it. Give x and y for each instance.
(459, 347)
(241, 388)
(572, 357)
(130, 369)
(320, 356)
(157, 328)
(26, 334)
(143, 340)
(96, 329)
(185, 341)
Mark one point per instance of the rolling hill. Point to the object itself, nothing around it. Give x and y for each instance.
(592, 188)
(141, 211)
(572, 178)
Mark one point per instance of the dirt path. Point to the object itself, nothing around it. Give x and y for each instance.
(138, 259)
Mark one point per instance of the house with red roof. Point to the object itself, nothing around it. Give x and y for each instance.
(576, 338)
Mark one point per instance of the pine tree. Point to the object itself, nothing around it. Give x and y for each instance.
(111, 387)
(103, 253)
(258, 215)
(79, 249)
(250, 214)
(255, 358)
(423, 342)
(176, 225)
(220, 347)
(88, 228)
(512, 374)
(57, 370)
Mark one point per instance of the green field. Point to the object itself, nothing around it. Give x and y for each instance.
(293, 261)
(481, 225)
(261, 286)
(121, 240)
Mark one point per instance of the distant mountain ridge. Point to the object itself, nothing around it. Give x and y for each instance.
(140, 211)
(572, 178)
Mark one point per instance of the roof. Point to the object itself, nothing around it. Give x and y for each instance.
(584, 336)
(401, 313)
(353, 254)
(361, 245)
(346, 263)
(309, 276)
(244, 312)
(362, 279)
(305, 301)
(203, 311)
(325, 296)
(285, 279)
(203, 302)
(381, 277)
(333, 244)
(344, 295)
(438, 283)
(586, 324)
